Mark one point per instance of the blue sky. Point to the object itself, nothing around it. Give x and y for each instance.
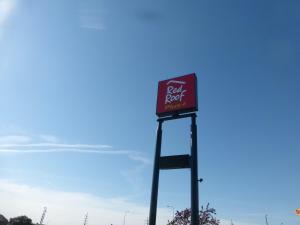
(78, 82)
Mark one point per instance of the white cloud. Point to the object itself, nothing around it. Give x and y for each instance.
(70, 207)
(24, 144)
(59, 150)
(45, 146)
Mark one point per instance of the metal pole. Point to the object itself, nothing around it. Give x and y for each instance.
(154, 192)
(124, 219)
(43, 215)
(267, 220)
(194, 174)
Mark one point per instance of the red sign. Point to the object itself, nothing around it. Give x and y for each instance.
(298, 212)
(177, 95)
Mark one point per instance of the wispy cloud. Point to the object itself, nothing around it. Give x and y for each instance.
(54, 145)
(59, 150)
(70, 207)
(24, 144)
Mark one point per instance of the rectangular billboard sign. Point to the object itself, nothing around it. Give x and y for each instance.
(298, 212)
(177, 95)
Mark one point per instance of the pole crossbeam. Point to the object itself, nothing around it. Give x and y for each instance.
(176, 162)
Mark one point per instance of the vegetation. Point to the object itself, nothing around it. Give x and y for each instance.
(206, 217)
(19, 220)
(3, 220)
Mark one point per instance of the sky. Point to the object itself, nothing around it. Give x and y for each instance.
(78, 83)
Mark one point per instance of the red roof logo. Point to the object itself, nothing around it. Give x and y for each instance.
(177, 95)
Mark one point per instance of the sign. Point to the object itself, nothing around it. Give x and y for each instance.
(298, 212)
(177, 95)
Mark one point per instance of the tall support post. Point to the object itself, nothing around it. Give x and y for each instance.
(154, 192)
(194, 174)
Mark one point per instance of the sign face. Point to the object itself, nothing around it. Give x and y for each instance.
(298, 212)
(177, 95)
